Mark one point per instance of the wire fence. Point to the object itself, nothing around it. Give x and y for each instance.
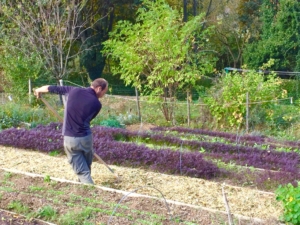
(129, 108)
(195, 113)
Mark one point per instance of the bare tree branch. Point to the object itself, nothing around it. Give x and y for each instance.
(54, 29)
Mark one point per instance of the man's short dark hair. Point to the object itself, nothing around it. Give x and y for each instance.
(100, 82)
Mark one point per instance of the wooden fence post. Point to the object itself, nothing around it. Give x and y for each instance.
(247, 112)
(188, 107)
(29, 90)
(138, 104)
(63, 97)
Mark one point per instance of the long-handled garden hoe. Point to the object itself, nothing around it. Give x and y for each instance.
(61, 120)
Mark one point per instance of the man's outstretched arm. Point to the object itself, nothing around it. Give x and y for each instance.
(40, 90)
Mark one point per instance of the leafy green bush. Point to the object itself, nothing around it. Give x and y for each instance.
(112, 122)
(21, 115)
(18, 68)
(8, 122)
(290, 197)
(227, 98)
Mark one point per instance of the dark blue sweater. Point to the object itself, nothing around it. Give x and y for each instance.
(82, 105)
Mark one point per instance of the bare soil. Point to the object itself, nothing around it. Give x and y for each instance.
(9, 218)
(138, 197)
(107, 206)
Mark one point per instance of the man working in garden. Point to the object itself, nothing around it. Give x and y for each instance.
(82, 105)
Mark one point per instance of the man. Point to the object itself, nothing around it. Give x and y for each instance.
(82, 105)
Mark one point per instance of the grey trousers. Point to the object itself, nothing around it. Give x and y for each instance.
(80, 152)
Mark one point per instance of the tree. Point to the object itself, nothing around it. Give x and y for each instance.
(231, 39)
(109, 11)
(17, 69)
(236, 23)
(53, 29)
(157, 52)
(16, 66)
(279, 39)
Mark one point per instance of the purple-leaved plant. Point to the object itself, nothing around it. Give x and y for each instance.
(115, 147)
(242, 155)
(247, 139)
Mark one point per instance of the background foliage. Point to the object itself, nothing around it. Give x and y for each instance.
(160, 54)
(227, 98)
(170, 54)
(279, 39)
(18, 68)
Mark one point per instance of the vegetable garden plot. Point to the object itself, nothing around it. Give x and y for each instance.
(248, 140)
(198, 192)
(185, 153)
(241, 164)
(165, 156)
(68, 203)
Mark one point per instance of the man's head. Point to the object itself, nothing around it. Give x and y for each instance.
(100, 86)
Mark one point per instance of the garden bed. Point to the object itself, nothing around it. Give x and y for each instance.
(9, 218)
(206, 195)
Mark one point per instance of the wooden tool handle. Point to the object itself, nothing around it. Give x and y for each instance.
(52, 110)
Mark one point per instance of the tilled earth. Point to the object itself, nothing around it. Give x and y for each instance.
(9, 218)
(109, 206)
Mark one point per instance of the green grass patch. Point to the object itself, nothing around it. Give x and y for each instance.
(18, 207)
(47, 212)
(35, 188)
(54, 153)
